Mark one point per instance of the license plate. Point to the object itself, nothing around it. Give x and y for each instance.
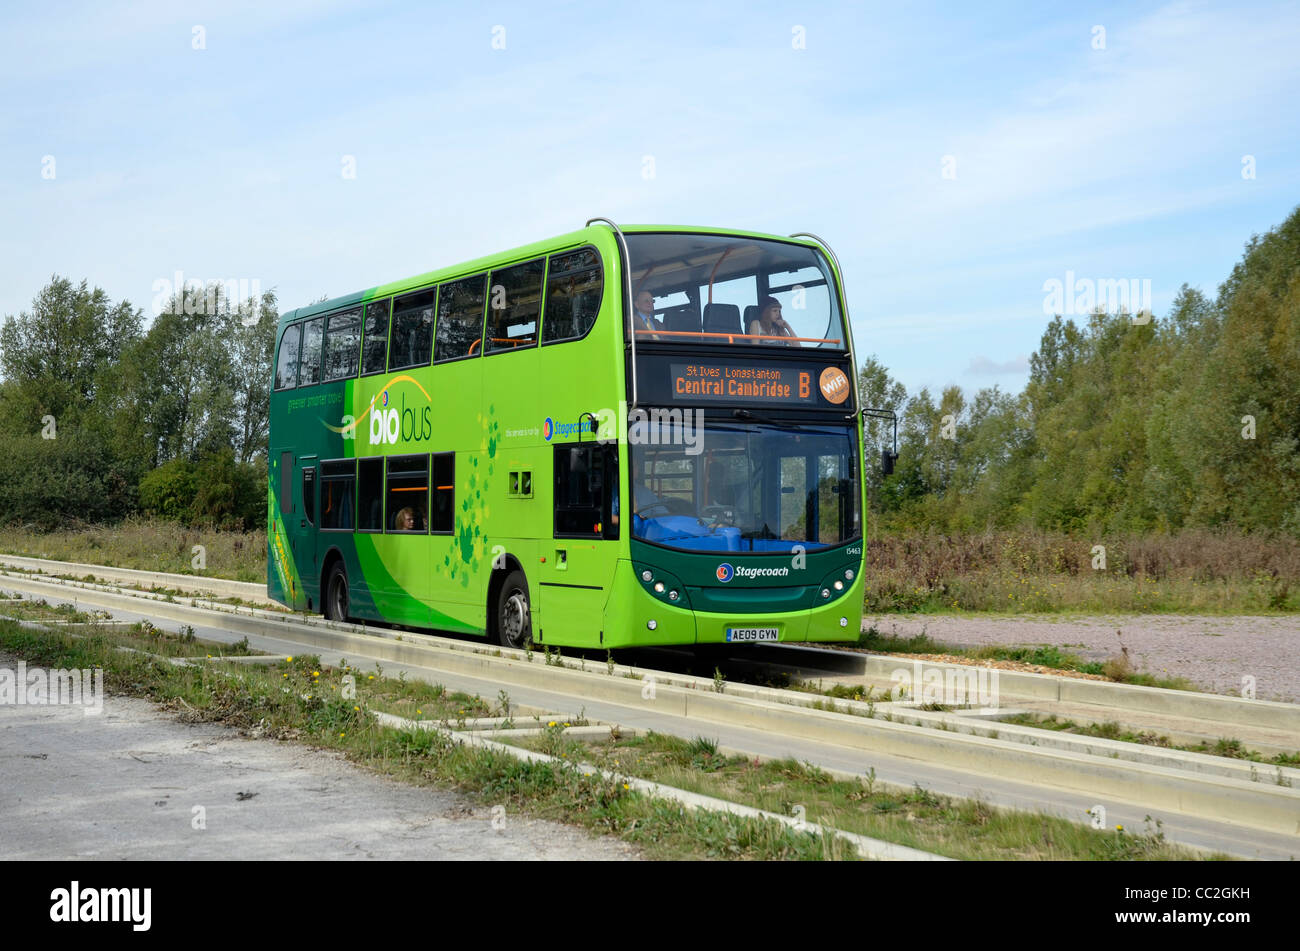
(742, 634)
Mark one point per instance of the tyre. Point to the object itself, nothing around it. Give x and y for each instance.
(336, 593)
(514, 616)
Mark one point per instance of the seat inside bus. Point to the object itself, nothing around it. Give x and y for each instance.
(683, 319)
(722, 319)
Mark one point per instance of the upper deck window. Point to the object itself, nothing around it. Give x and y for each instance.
(309, 366)
(460, 318)
(342, 343)
(286, 368)
(412, 339)
(374, 348)
(514, 306)
(698, 288)
(573, 289)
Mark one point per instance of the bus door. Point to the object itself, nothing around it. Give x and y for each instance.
(302, 527)
(579, 569)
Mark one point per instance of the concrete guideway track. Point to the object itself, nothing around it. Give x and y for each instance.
(1206, 811)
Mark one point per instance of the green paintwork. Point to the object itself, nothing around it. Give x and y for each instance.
(489, 410)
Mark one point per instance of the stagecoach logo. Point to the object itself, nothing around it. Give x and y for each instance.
(383, 398)
(551, 429)
(726, 572)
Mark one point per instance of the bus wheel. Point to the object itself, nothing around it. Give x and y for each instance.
(514, 618)
(336, 594)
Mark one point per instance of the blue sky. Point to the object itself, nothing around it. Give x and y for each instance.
(1123, 162)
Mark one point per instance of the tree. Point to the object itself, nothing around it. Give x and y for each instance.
(51, 356)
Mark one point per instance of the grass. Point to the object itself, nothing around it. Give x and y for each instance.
(1118, 668)
(1110, 730)
(40, 610)
(964, 829)
(138, 636)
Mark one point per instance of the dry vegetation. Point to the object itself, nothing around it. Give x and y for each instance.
(149, 545)
(1028, 571)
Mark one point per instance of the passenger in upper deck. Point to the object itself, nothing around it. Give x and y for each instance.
(770, 323)
(643, 314)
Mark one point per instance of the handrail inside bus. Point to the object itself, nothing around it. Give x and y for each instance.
(510, 340)
(730, 337)
(714, 272)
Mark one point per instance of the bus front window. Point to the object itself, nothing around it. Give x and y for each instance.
(698, 288)
(750, 488)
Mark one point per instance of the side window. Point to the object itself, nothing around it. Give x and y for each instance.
(442, 517)
(342, 342)
(370, 495)
(309, 368)
(460, 318)
(338, 486)
(573, 288)
(581, 491)
(374, 352)
(408, 494)
(286, 368)
(309, 494)
(412, 337)
(514, 306)
(286, 483)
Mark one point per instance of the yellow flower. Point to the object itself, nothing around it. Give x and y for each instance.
(552, 723)
(419, 711)
(357, 709)
(289, 659)
(341, 735)
(1119, 828)
(625, 786)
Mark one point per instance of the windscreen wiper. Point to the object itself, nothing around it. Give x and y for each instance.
(746, 416)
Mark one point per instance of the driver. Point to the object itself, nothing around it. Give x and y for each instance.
(643, 497)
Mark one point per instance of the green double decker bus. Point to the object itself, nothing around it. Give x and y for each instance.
(614, 438)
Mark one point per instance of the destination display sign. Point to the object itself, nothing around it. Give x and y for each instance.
(741, 382)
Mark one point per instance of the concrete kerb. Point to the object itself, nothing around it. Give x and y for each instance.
(962, 721)
(1205, 706)
(866, 846)
(199, 584)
